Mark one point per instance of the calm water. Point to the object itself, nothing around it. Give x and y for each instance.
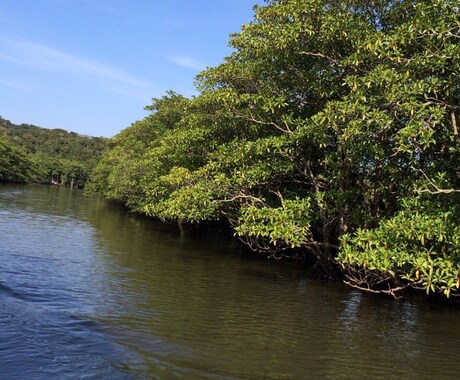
(88, 291)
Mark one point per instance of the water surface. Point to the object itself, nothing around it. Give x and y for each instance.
(89, 291)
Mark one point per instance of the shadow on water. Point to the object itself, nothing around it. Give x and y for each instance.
(87, 289)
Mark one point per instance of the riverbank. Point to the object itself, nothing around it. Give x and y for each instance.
(88, 289)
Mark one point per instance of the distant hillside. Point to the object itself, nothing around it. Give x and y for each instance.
(55, 142)
(56, 156)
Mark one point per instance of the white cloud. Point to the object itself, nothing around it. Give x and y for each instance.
(39, 56)
(187, 62)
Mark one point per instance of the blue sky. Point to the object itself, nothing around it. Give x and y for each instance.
(90, 66)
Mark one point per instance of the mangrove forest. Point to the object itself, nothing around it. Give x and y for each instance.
(329, 134)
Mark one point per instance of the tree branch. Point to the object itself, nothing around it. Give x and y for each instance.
(454, 125)
(436, 190)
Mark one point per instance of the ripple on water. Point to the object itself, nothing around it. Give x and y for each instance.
(39, 343)
(90, 291)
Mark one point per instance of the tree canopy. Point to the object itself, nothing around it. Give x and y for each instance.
(330, 131)
(15, 166)
(48, 155)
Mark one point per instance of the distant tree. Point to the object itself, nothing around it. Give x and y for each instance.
(15, 166)
(58, 156)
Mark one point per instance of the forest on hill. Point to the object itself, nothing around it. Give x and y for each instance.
(330, 133)
(53, 156)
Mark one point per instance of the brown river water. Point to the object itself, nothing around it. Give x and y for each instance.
(90, 291)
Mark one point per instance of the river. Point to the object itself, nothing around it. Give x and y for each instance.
(90, 291)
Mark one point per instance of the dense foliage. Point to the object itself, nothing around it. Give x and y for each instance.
(331, 131)
(33, 154)
(15, 166)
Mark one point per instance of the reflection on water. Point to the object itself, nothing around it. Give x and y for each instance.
(88, 290)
